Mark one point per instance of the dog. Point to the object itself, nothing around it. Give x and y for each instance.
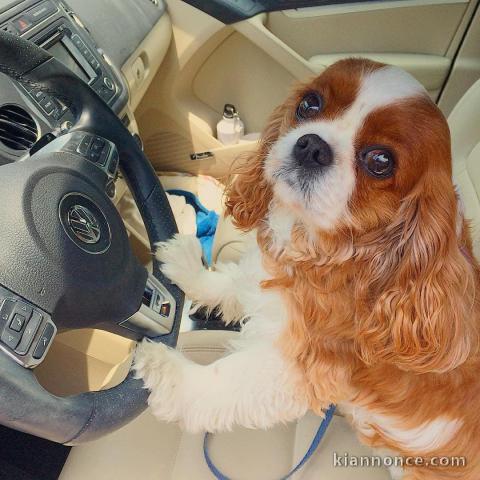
(361, 290)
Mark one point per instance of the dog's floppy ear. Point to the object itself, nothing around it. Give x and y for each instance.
(420, 307)
(248, 195)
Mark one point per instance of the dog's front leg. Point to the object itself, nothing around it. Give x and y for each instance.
(253, 388)
(182, 264)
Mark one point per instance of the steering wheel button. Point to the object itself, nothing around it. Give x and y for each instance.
(94, 156)
(23, 309)
(18, 322)
(104, 156)
(96, 150)
(112, 168)
(6, 311)
(98, 143)
(84, 145)
(44, 341)
(110, 189)
(10, 338)
(29, 333)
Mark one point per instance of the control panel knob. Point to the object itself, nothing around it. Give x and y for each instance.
(108, 83)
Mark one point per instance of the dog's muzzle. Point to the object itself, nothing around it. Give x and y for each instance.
(312, 152)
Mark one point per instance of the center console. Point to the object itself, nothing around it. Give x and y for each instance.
(52, 25)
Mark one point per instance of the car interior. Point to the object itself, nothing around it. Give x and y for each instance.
(137, 84)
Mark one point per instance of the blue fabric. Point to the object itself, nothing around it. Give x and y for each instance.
(207, 221)
(322, 429)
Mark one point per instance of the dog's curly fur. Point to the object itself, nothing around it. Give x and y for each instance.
(373, 306)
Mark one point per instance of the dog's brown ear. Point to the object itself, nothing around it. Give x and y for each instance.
(420, 309)
(248, 195)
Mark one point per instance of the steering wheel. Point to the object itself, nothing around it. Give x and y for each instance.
(65, 259)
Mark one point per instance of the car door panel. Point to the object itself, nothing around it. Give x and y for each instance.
(232, 11)
(222, 76)
(394, 27)
(466, 67)
(253, 64)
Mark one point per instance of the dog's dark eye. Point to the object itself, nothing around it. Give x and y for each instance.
(310, 106)
(378, 162)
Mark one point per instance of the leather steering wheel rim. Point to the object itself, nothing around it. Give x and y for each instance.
(25, 405)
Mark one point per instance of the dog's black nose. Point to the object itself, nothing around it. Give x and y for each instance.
(311, 151)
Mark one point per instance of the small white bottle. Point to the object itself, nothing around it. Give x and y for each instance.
(230, 128)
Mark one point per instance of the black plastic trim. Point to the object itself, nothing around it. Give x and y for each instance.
(232, 11)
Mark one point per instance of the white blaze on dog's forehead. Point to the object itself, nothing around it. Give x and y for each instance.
(383, 87)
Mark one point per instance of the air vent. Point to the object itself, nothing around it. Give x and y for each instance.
(18, 129)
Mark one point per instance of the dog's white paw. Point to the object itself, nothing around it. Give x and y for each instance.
(181, 259)
(160, 368)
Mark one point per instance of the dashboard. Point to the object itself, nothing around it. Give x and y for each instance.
(93, 38)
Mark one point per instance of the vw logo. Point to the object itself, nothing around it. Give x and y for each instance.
(84, 224)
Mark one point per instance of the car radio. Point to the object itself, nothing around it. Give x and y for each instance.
(51, 25)
(69, 48)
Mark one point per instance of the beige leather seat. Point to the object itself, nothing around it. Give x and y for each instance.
(229, 243)
(465, 130)
(147, 449)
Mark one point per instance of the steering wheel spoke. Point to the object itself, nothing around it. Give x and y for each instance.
(156, 314)
(94, 149)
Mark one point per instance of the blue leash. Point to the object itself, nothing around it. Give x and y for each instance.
(311, 449)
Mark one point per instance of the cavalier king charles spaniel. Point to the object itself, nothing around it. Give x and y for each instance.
(361, 290)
